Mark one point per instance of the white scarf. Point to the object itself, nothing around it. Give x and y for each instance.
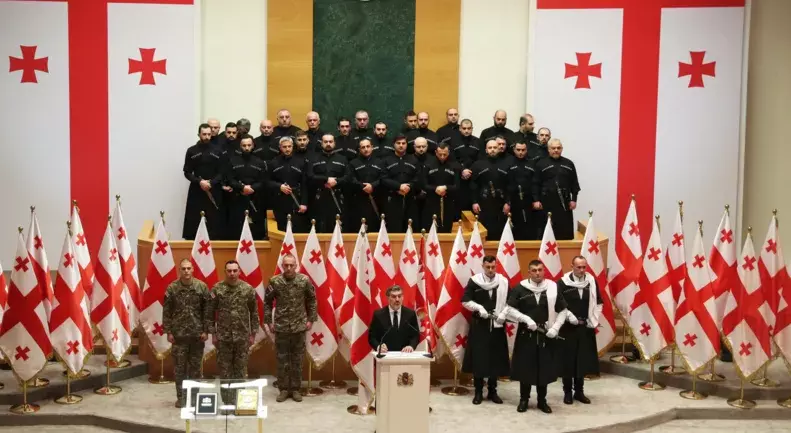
(551, 288)
(590, 283)
(499, 282)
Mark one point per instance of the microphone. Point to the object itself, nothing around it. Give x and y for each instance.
(379, 353)
(428, 344)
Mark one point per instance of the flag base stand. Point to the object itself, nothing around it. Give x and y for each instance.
(711, 376)
(161, 379)
(113, 364)
(740, 402)
(333, 384)
(69, 398)
(108, 389)
(651, 385)
(785, 403)
(310, 391)
(693, 394)
(355, 410)
(765, 382)
(434, 382)
(672, 370)
(82, 374)
(504, 379)
(38, 382)
(455, 390)
(25, 408)
(353, 390)
(592, 376)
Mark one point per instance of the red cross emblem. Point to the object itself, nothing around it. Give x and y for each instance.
(461, 341)
(158, 329)
(653, 253)
(339, 252)
(748, 263)
(583, 70)
(645, 329)
(147, 66)
(121, 233)
(204, 248)
(409, 257)
(433, 249)
(689, 340)
(477, 251)
(727, 236)
(771, 246)
(552, 248)
(22, 353)
(73, 347)
(315, 256)
(677, 239)
(697, 69)
(425, 328)
(461, 257)
(28, 64)
(80, 239)
(115, 335)
(745, 349)
(633, 229)
(37, 244)
(698, 263)
(286, 249)
(386, 250)
(509, 329)
(316, 339)
(508, 248)
(21, 264)
(594, 246)
(162, 247)
(113, 254)
(245, 246)
(67, 259)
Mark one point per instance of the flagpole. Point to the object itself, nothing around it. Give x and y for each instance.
(712, 376)
(69, 398)
(24, 408)
(455, 390)
(622, 358)
(161, 379)
(693, 394)
(310, 391)
(108, 389)
(740, 402)
(763, 381)
(332, 383)
(651, 385)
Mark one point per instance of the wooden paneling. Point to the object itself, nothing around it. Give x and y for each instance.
(289, 65)
(437, 35)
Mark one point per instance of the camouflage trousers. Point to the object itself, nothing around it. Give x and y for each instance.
(232, 362)
(290, 347)
(187, 356)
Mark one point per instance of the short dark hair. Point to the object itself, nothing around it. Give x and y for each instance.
(489, 258)
(203, 126)
(380, 123)
(410, 113)
(442, 145)
(344, 119)
(578, 258)
(399, 137)
(535, 262)
(230, 125)
(518, 142)
(301, 133)
(231, 262)
(245, 136)
(522, 120)
(393, 288)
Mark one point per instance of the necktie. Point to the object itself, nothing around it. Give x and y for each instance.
(395, 319)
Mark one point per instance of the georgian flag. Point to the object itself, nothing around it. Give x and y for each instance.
(204, 269)
(453, 320)
(433, 278)
(675, 256)
(407, 274)
(289, 246)
(363, 306)
(321, 340)
(507, 263)
(250, 272)
(131, 293)
(659, 75)
(38, 255)
(591, 250)
(626, 264)
(549, 253)
(109, 91)
(337, 275)
(82, 252)
(723, 264)
(475, 251)
(161, 272)
(108, 310)
(384, 269)
(774, 280)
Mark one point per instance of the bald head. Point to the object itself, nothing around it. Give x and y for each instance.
(500, 118)
(420, 145)
(266, 127)
(492, 148)
(361, 119)
(452, 116)
(422, 120)
(284, 118)
(214, 124)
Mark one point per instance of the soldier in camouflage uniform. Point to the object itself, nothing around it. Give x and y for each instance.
(234, 327)
(183, 319)
(296, 312)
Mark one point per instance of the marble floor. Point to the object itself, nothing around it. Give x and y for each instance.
(615, 400)
(712, 426)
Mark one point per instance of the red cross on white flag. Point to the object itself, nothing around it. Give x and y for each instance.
(337, 275)
(320, 340)
(204, 268)
(250, 273)
(658, 74)
(407, 274)
(131, 293)
(384, 268)
(774, 284)
(82, 252)
(356, 314)
(723, 264)
(675, 256)
(507, 262)
(287, 247)
(161, 272)
(108, 310)
(592, 251)
(433, 278)
(549, 254)
(452, 320)
(38, 255)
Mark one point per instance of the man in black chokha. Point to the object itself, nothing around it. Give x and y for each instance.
(540, 310)
(487, 351)
(579, 355)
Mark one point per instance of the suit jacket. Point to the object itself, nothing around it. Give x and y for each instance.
(407, 334)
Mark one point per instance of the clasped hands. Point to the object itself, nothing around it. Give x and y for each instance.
(406, 349)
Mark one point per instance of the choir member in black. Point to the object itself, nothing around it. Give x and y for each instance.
(450, 129)
(525, 133)
(248, 176)
(302, 146)
(265, 146)
(327, 175)
(230, 140)
(410, 122)
(284, 127)
(422, 131)
(440, 180)
(500, 119)
(244, 127)
(400, 183)
(288, 182)
(204, 164)
(361, 129)
(488, 187)
(538, 150)
(344, 143)
(555, 189)
(466, 150)
(314, 131)
(486, 355)
(540, 310)
(520, 184)
(363, 198)
(502, 149)
(422, 155)
(578, 353)
(382, 145)
(214, 124)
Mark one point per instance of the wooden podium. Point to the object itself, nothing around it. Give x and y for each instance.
(402, 386)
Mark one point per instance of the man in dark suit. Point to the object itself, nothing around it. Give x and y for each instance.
(405, 335)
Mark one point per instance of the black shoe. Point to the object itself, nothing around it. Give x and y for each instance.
(478, 399)
(567, 398)
(580, 397)
(522, 406)
(544, 407)
(494, 398)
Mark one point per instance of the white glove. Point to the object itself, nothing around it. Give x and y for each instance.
(500, 318)
(590, 324)
(552, 333)
(572, 319)
(531, 325)
(483, 313)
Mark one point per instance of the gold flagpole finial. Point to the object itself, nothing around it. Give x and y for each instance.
(117, 197)
(74, 202)
(423, 233)
(20, 229)
(750, 230)
(476, 217)
(700, 227)
(68, 227)
(383, 217)
(109, 219)
(549, 215)
(658, 226)
(774, 212)
(362, 220)
(728, 209)
(337, 217)
(409, 223)
(434, 217)
(32, 209)
(288, 217)
(313, 222)
(590, 214)
(202, 214)
(634, 198)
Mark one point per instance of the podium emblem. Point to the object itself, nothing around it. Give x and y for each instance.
(405, 379)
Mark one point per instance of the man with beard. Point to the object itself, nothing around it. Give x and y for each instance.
(579, 355)
(302, 146)
(265, 146)
(229, 141)
(327, 175)
(203, 167)
(400, 183)
(466, 150)
(421, 154)
(440, 180)
(314, 132)
(361, 129)
(344, 143)
(487, 353)
(555, 189)
(539, 150)
(520, 184)
(381, 143)
(422, 131)
(540, 310)
(502, 151)
(450, 129)
(500, 119)
(525, 133)
(288, 178)
(247, 176)
(489, 191)
(284, 127)
(410, 122)
(365, 173)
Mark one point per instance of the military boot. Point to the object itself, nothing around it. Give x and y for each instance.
(283, 396)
